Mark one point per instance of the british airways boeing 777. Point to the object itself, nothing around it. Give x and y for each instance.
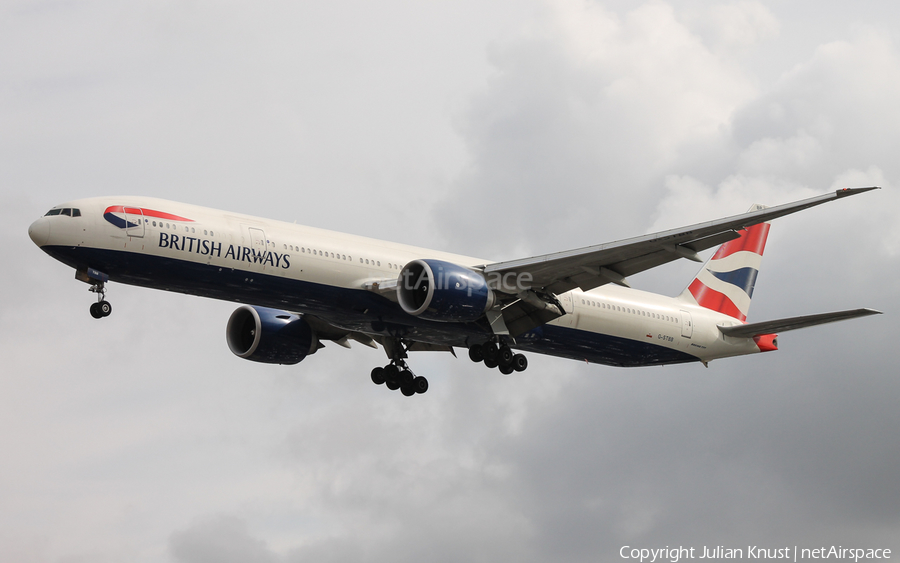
(301, 286)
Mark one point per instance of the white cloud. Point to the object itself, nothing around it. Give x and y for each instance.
(586, 112)
(740, 25)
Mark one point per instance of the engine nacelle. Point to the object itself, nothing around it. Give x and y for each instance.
(443, 291)
(269, 336)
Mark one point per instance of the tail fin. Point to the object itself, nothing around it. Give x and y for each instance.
(725, 283)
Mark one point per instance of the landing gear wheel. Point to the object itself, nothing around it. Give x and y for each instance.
(491, 362)
(105, 308)
(392, 377)
(95, 311)
(397, 374)
(489, 351)
(506, 369)
(520, 362)
(505, 355)
(475, 353)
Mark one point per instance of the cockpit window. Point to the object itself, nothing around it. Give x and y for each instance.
(68, 212)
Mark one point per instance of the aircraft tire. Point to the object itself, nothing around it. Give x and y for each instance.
(505, 355)
(489, 351)
(491, 363)
(407, 390)
(420, 384)
(392, 377)
(105, 308)
(506, 369)
(378, 375)
(95, 311)
(520, 362)
(475, 353)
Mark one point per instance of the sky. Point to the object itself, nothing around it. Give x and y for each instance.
(499, 129)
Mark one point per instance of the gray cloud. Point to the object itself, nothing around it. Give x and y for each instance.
(492, 129)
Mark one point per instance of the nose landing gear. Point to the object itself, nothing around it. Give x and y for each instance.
(102, 307)
(97, 281)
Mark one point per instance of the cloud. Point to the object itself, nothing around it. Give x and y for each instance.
(531, 127)
(220, 539)
(583, 115)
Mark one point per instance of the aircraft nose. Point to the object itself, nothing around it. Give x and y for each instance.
(39, 231)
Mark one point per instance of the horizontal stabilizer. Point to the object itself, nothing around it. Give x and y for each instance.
(793, 323)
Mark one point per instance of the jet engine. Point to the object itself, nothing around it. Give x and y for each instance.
(443, 291)
(269, 336)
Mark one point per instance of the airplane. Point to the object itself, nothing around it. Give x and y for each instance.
(301, 286)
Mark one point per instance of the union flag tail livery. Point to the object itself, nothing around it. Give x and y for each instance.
(725, 283)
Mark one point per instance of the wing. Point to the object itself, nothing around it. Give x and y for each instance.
(593, 266)
(532, 284)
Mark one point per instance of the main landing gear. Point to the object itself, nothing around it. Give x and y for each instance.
(101, 308)
(498, 356)
(397, 375)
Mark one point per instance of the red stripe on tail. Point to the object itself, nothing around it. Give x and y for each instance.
(753, 239)
(711, 299)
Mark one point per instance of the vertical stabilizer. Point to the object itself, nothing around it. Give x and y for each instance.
(725, 283)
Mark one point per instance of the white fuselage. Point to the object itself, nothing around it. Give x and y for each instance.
(308, 270)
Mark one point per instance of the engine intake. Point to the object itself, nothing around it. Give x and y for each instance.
(443, 291)
(269, 336)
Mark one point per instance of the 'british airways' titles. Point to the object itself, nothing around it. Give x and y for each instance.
(205, 247)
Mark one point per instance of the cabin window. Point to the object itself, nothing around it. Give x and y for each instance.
(379, 263)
